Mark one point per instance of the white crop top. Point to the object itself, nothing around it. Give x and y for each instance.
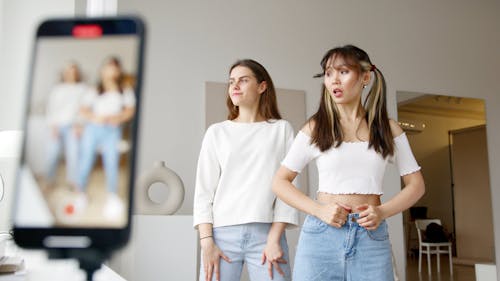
(351, 168)
(109, 103)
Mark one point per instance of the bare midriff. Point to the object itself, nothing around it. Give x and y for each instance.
(351, 200)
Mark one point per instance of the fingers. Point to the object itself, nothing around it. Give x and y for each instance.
(336, 215)
(369, 222)
(278, 258)
(273, 261)
(275, 265)
(365, 210)
(342, 209)
(347, 208)
(206, 266)
(270, 269)
(208, 275)
(362, 207)
(369, 218)
(217, 266)
(336, 221)
(370, 225)
(205, 269)
(212, 266)
(216, 269)
(340, 215)
(278, 268)
(281, 260)
(263, 260)
(224, 257)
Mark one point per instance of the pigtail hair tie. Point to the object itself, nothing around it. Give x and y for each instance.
(373, 67)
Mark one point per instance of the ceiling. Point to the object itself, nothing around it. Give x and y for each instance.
(441, 105)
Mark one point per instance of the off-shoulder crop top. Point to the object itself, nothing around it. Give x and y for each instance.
(351, 168)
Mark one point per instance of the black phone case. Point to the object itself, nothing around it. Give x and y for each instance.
(100, 238)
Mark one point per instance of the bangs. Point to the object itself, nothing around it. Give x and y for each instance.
(346, 56)
(341, 59)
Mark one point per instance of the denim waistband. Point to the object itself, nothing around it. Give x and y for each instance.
(352, 219)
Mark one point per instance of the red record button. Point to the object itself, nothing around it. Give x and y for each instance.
(87, 31)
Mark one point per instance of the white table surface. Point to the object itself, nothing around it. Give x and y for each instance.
(39, 268)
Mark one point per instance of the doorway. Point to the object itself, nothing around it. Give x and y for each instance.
(428, 120)
(472, 197)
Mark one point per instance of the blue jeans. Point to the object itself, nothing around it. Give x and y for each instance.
(106, 139)
(245, 243)
(349, 253)
(67, 140)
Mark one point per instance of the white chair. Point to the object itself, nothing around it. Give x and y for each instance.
(430, 248)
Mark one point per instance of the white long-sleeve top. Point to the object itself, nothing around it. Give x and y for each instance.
(236, 166)
(63, 103)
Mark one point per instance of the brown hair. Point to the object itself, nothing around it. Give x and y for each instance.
(119, 80)
(328, 132)
(74, 65)
(268, 106)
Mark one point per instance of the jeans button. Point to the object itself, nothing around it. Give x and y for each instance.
(353, 219)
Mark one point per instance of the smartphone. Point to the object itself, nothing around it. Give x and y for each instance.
(77, 167)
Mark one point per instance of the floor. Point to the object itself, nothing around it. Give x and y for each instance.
(460, 272)
(63, 201)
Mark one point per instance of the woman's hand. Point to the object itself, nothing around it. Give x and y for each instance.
(273, 254)
(334, 214)
(370, 216)
(211, 258)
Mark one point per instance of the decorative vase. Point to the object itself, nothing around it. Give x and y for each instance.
(159, 173)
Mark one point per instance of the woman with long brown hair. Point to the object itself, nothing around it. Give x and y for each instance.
(345, 236)
(104, 111)
(238, 217)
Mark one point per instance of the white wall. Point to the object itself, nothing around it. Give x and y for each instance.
(421, 46)
(1, 24)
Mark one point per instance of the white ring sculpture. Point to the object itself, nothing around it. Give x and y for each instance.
(162, 174)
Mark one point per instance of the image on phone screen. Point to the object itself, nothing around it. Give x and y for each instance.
(76, 169)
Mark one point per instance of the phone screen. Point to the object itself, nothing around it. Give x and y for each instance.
(80, 134)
